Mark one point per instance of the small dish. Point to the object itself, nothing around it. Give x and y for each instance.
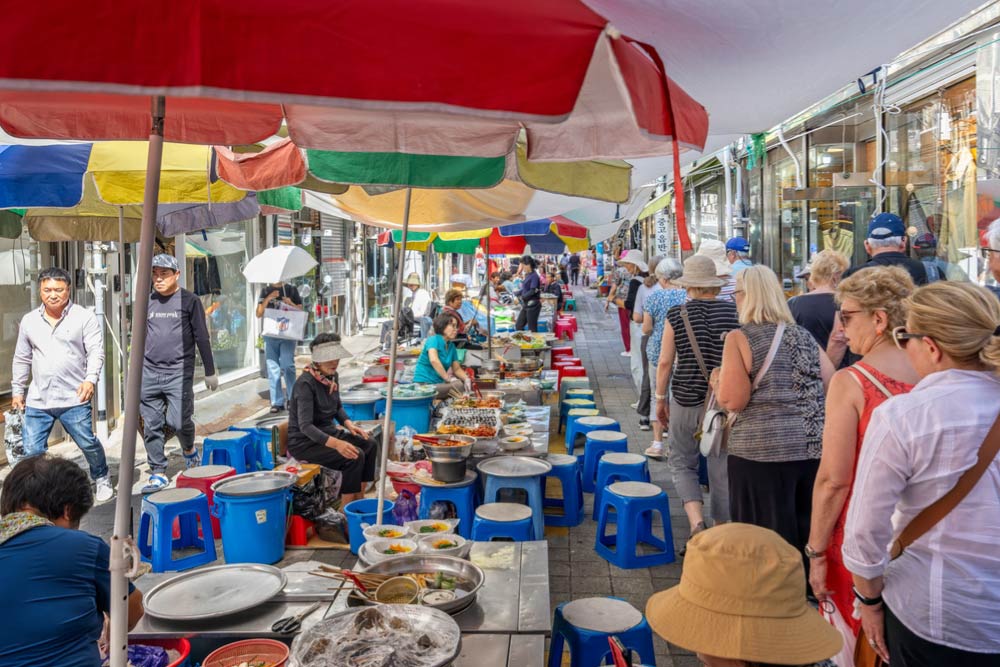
(515, 442)
(381, 549)
(519, 429)
(431, 527)
(444, 545)
(387, 532)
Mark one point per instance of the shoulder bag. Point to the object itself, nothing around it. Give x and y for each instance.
(864, 655)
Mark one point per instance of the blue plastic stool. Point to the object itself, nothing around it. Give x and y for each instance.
(597, 443)
(231, 448)
(505, 520)
(262, 441)
(635, 503)
(566, 469)
(579, 392)
(517, 472)
(572, 417)
(618, 467)
(586, 624)
(461, 495)
(156, 522)
(573, 404)
(572, 383)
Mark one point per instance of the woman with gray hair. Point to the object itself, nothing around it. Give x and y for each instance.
(639, 363)
(653, 318)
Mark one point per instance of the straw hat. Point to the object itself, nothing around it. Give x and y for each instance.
(742, 596)
(412, 279)
(331, 351)
(699, 271)
(716, 251)
(634, 256)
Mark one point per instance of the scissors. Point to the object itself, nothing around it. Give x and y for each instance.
(292, 624)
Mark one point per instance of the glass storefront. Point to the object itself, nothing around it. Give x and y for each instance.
(840, 208)
(788, 213)
(15, 301)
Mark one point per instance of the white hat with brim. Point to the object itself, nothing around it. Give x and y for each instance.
(699, 271)
(634, 256)
(715, 250)
(742, 597)
(329, 352)
(412, 279)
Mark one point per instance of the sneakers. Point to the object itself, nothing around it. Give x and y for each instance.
(626, 353)
(644, 425)
(192, 460)
(634, 405)
(275, 409)
(105, 491)
(654, 452)
(155, 483)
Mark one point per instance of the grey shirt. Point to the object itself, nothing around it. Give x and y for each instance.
(60, 358)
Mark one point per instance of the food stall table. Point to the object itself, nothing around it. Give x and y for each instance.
(539, 416)
(500, 650)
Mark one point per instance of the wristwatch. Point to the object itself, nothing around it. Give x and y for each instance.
(812, 553)
(660, 397)
(868, 602)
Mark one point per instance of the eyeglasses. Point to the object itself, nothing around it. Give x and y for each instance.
(901, 337)
(985, 252)
(846, 315)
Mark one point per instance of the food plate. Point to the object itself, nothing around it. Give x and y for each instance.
(411, 635)
(425, 527)
(214, 592)
(514, 442)
(437, 544)
(385, 549)
(468, 576)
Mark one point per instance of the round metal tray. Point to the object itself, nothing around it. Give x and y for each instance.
(214, 592)
(515, 466)
(432, 563)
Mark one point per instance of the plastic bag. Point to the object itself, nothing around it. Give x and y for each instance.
(331, 526)
(846, 656)
(313, 498)
(12, 436)
(440, 510)
(405, 508)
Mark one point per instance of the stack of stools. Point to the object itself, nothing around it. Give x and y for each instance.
(599, 442)
(511, 521)
(189, 507)
(232, 448)
(517, 472)
(566, 371)
(560, 352)
(618, 467)
(634, 503)
(584, 425)
(202, 478)
(564, 329)
(262, 440)
(571, 417)
(570, 404)
(461, 494)
(587, 623)
(566, 469)
(572, 383)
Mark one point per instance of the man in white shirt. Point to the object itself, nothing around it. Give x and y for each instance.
(420, 304)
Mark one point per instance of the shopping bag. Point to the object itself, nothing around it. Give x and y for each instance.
(833, 616)
(285, 324)
(13, 439)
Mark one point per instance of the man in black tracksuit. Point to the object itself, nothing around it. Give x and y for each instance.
(176, 325)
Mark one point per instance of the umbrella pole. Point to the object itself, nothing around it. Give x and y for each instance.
(393, 344)
(122, 307)
(123, 553)
(489, 302)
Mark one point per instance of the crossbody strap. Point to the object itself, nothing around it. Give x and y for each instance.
(939, 509)
(772, 352)
(871, 378)
(694, 342)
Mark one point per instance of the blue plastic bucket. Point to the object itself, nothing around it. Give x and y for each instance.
(364, 511)
(253, 512)
(412, 412)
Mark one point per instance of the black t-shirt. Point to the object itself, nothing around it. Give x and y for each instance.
(914, 266)
(285, 290)
(815, 313)
(574, 261)
(175, 326)
(633, 291)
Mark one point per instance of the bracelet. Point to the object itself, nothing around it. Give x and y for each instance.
(660, 397)
(868, 602)
(812, 553)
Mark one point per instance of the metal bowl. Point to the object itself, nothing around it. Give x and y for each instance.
(450, 453)
(434, 563)
(526, 365)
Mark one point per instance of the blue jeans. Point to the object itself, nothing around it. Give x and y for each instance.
(76, 422)
(280, 355)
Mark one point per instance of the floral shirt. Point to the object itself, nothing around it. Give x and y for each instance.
(657, 304)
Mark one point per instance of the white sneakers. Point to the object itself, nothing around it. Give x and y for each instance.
(626, 353)
(654, 452)
(105, 491)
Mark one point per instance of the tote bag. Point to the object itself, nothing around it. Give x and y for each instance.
(285, 324)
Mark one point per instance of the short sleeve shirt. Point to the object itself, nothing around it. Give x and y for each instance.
(284, 290)
(657, 305)
(56, 587)
(447, 354)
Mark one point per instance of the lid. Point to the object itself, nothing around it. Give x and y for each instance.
(213, 592)
(244, 426)
(176, 495)
(515, 466)
(635, 489)
(360, 396)
(227, 435)
(605, 615)
(621, 458)
(271, 422)
(562, 460)
(503, 512)
(254, 483)
(201, 472)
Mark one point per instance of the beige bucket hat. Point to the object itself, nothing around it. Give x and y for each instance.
(699, 271)
(742, 596)
(413, 279)
(715, 250)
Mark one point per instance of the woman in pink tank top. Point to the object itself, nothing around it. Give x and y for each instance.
(871, 304)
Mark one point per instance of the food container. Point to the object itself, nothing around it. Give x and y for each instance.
(425, 527)
(491, 365)
(398, 590)
(448, 472)
(470, 574)
(400, 533)
(435, 544)
(520, 428)
(514, 442)
(384, 549)
(458, 449)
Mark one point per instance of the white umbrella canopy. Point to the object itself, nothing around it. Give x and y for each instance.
(278, 265)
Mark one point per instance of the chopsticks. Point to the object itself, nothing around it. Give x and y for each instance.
(428, 439)
(363, 581)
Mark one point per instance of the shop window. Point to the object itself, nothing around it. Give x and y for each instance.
(785, 215)
(931, 175)
(15, 301)
(840, 203)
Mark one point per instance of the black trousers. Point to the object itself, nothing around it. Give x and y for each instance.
(528, 317)
(355, 471)
(773, 495)
(645, 391)
(167, 399)
(575, 274)
(907, 649)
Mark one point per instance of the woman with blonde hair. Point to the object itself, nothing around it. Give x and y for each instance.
(772, 381)
(871, 306)
(935, 600)
(815, 310)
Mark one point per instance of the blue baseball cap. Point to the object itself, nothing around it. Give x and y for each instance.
(886, 225)
(738, 244)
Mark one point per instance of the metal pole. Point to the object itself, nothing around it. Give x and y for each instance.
(122, 555)
(489, 302)
(393, 344)
(124, 294)
(99, 271)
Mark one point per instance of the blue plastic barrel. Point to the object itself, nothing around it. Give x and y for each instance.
(412, 412)
(253, 511)
(364, 511)
(360, 405)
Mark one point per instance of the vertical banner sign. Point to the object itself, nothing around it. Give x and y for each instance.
(663, 241)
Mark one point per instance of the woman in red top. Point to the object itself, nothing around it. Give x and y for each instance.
(452, 302)
(871, 305)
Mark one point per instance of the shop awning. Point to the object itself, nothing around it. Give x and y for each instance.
(657, 204)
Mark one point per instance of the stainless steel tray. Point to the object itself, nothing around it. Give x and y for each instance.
(214, 592)
(514, 466)
(432, 563)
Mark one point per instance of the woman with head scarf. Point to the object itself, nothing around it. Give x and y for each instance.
(319, 430)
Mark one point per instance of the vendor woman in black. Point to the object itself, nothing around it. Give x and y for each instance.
(315, 410)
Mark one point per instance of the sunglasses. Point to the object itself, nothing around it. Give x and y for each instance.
(901, 337)
(846, 315)
(985, 252)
